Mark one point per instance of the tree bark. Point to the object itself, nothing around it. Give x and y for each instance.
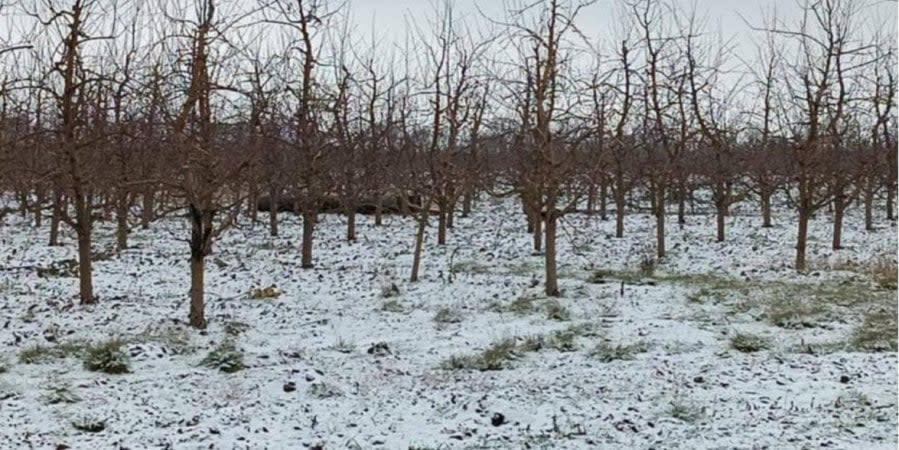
(660, 222)
(39, 208)
(252, 202)
(351, 223)
(149, 200)
(197, 316)
(890, 199)
(721, 214)
(450, 212)
(591, 199)
(603, 203)
(620, 200)
(766, 210)
(56, 217)
(552, 278)
(379, 211)
(802, 238)
(869, 209)
(275, 201)
(308, 229)
(85, 267)
(441, 222)
(466, 203)
(839, 208)
(419, 242)
(537, 218)
(122, 222)
(200, 246)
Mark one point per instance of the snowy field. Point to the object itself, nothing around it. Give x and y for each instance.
(718, 346)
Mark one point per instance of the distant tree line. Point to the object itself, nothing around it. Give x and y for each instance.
(128, 111)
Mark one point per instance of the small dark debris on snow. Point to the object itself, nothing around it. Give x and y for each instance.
(379, 349)
(497, 419)
(290, 386)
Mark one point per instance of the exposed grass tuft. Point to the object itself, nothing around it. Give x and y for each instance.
(38, 353)
(884, 273)
(556, 311)
(495, 357)
(448, 315)
(344, 346)
(520, 306)
(795, 312)
(877, 332)
(225, 357)
(470, 266)
(89, 424)
(685, 412)
(606, 352)
(60, 392)
(748, 343)
(563, 341)
(392, 305)
(324, 390)
(107, 357)
(265, 293)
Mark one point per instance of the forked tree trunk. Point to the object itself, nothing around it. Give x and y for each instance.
(839, 208)
(200, 246)
(308, 230)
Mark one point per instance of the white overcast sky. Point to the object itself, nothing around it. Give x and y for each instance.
(389, 17)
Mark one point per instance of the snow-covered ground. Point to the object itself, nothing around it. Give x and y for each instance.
(315, 376)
